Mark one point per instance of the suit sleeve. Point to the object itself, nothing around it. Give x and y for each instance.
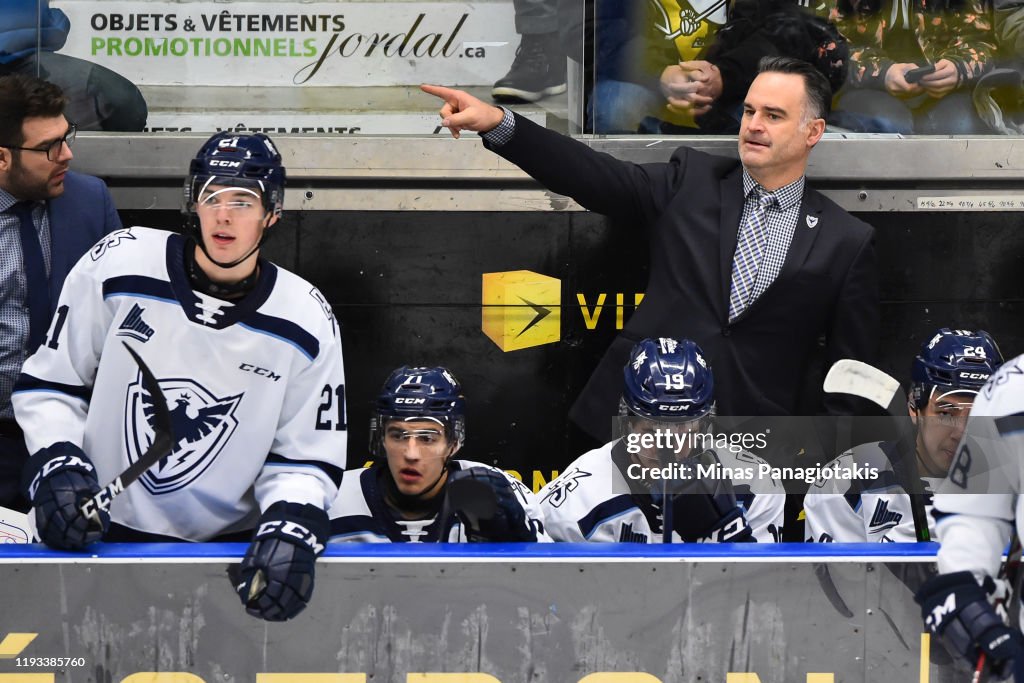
(308, 454)
(51, 397)
(853, 329)
(111, 220)
(598, 181)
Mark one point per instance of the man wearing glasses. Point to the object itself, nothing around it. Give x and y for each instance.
(49, 217)
(946, 376)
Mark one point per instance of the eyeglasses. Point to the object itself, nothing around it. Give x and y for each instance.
(54, 149)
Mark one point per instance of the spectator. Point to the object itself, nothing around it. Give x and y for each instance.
(248, 355)
(416, 491)
(98, 98)
(745, 259)
(999, 94)
(705, 92)
(913, 64)
(538, 69)
(49, 217)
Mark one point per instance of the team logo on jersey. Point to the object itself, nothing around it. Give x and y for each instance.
(322, 300)
(627, 535)
(134, 326)
(689, 18)
(564, 485)
(202, 423)
(883, 518)
(110, 241)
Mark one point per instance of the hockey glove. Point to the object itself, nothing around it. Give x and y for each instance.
(704, 510)
(487, 506)
(58, 480)
(955, 607)
(275, 579)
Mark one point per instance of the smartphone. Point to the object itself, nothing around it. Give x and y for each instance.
(914, 75)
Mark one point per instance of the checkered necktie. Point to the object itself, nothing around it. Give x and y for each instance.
(37, 297)
(749, 252)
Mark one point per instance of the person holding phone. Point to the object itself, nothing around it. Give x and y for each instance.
(913, 66)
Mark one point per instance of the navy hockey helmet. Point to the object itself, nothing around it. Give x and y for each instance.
(667, 379)
(248, 160)
(953, 361)
(420, 393)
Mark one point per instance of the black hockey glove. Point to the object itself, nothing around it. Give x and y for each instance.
(704, 510)
(58, 480)
(955, 607)
(487, 506)
(275, 579)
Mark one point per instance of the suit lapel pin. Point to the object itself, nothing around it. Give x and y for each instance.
(812, 221)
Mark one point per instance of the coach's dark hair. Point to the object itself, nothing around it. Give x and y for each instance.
(23, 97)
(819, 92)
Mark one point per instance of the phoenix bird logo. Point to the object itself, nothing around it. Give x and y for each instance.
(202, 424)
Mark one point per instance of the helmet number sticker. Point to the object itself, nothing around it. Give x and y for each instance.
(675, 381)
(974, 351)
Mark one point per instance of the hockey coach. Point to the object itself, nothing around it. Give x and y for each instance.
(745, 258)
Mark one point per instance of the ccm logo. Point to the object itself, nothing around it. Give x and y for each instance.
(413, 401)
(974, 375)
(672, 408)
(225, 162)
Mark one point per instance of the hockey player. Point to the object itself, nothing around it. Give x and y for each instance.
(600, 498)
(975, 510)
(416, 492)
(249, 359)
(946, 375)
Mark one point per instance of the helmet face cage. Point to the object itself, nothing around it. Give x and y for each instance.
(667, 380)
(246, 160)
(953, 361)
(419, 393)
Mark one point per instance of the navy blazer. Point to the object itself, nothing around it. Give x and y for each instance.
(689, 209)
(78, 219)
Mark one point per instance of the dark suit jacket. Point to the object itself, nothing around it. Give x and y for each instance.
(691, 207)
(78, 218)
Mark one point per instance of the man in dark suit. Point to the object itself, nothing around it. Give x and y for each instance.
(49, 218)
(745, 258)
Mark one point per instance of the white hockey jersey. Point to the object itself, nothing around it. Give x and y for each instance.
(589, 501)
(360, 514)
(869, 509)
(976, 507)
(255, 388)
